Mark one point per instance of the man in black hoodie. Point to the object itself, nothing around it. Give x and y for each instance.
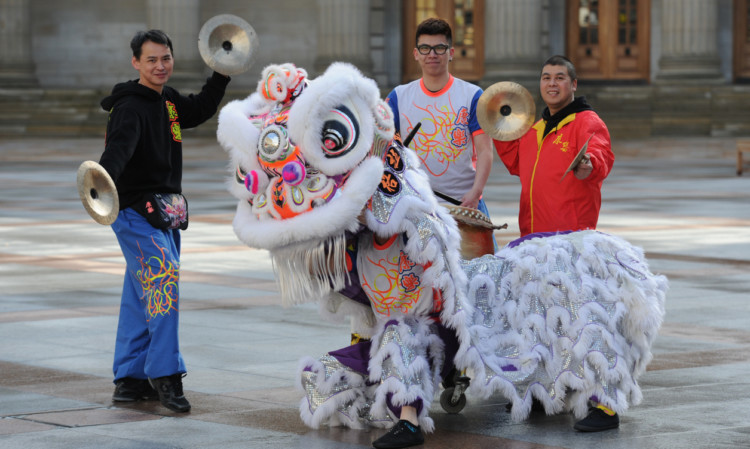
(143, 155)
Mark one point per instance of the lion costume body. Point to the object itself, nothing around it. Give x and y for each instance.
(351, 223)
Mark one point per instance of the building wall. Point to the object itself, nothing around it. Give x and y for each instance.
(78, 48)
(85, 43)
(725, 38)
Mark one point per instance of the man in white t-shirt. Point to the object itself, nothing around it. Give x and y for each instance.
(453, 149)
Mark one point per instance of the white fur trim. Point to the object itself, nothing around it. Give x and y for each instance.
(341, 84)
(332, 411)
(417, 339)
(619, 305)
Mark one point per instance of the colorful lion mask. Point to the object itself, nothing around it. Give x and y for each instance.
(306, 157)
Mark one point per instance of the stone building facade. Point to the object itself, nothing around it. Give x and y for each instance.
(680, 66)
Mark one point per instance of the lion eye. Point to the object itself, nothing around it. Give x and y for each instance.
(340, 132)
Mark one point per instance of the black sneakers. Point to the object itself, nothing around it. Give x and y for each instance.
(597, 420)
(403, 434)
(129, 389)
(170, 392)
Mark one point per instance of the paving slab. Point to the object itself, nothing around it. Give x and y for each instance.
(61, 275)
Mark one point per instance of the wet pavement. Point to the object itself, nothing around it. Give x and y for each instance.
(61, 275)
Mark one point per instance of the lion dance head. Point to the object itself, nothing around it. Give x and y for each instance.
(306, 157)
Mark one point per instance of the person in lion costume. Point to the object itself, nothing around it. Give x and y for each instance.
(350, 222)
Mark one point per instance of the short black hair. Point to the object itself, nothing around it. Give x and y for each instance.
(156, 36)
(562, 60)
(432, 27)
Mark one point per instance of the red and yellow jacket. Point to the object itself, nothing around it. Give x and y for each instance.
(547, 204)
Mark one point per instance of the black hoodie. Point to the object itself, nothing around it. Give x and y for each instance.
(551, 121)
(143, 145)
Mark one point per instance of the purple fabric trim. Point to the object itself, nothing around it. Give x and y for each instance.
(397, 410)
(353, 290)
(535, 235)
(355, 357)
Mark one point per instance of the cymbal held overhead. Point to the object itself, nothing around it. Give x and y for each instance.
(506, 110)
(228, 44)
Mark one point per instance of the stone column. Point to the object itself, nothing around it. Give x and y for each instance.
(689, 40)
(16, 63)
(344, 34)
(513, 40)
(180, 19)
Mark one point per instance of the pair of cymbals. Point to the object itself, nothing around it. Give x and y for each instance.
(506, 110)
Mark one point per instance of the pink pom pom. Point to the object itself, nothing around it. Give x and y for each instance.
(293, 173)
(251, 182)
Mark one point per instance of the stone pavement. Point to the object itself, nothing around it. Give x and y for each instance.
(61, 274)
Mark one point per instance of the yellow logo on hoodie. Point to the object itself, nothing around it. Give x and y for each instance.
(175, 126)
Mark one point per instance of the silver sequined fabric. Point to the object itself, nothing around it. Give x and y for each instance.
(408, 354)
(356, 408)
(332, 368)
(562, 306)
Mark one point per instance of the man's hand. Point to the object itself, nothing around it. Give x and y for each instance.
(471, 199)
(584, 168)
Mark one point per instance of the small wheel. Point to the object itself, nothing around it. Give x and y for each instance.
(446, 401)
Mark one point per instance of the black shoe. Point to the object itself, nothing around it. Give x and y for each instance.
(170, 392)
(597, 420)
(403, 434)
(128, 389)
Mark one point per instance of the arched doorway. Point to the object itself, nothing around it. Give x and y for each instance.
(609, 39)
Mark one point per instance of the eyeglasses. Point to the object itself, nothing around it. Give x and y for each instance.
(439, 49)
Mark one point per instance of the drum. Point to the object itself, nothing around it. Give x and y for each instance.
(476, 231)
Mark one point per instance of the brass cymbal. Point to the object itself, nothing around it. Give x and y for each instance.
(227, 44)
(98, 193)
(506, 110)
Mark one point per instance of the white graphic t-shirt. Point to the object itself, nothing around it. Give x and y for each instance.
(444, 142)
(392, 282)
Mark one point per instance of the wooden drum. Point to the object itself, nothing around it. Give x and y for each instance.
(476, 231)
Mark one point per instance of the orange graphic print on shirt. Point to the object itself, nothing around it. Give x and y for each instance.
(396, 288)
(443, 136)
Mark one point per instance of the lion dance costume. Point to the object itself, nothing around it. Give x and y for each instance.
(350, 222)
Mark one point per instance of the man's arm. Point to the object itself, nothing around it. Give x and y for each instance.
(508, 152)
(195, 109)
(599, 158)
(123, 132)
(483, 148)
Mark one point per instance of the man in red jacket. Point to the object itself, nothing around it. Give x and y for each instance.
(553, 200)
(549, 201)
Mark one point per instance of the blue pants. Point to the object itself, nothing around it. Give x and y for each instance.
(147, 343)
(483, 208)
